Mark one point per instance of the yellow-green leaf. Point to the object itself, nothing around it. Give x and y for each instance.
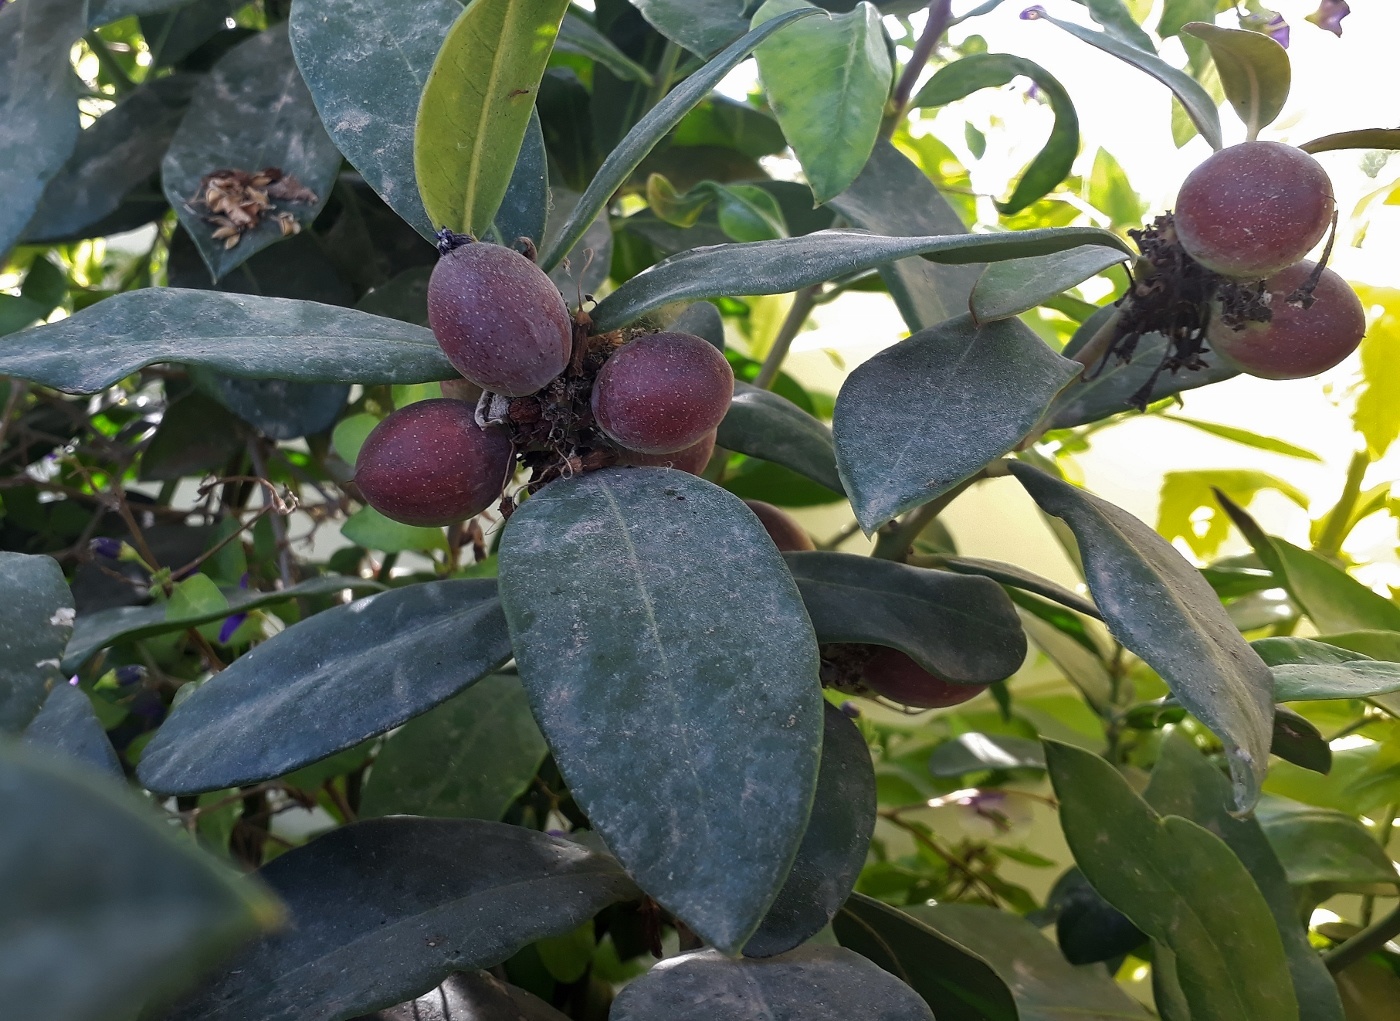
(1377, 414)
(476, 106)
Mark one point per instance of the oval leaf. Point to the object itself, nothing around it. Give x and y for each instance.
(36, 620)
(787, 264)
(954, 981)
(762, 424)
(978, 71)
(1323, 845)
(476, 106)
(894, 197)
(1179, 883)
(834, 847)
(963, 629)
(1007, 289)
(102, 907)
(649, 604)
(469, 758)
(38, 104)
(1254, 71)
(1046, 986)
(1305, 671)
(957, 396)
(383, 910)
(366, 66)
(252, 112)
(701, 26)
(1161, 609)
(647, 132)
(1194, 99)
(809, 984)
(827, 81)
(1365, 138)
(68, 724)
(243, 335)
(328, 683)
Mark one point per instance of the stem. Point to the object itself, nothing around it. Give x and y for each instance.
(840, 537)
(1385, 827)
(1339, 518)
(665, 71)
(279, 527)
(18, 391)
(109, 63)
(1371, 938)
(802, 305)
(895, 539)
(940, 12)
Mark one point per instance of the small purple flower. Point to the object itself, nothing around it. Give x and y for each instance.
(850, 710)
(233, 623)
(1267, 22)
(1033, 13)
(73, 680)
(107, 548)
(130, 674)
(1329, 15)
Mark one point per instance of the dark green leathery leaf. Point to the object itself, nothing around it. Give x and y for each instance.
(684, 710)
(36, 621)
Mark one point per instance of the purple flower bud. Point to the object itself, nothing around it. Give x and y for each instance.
(850, 710)
(231, 624)
(559, 834)
(110, 549)
(1033, 13)
(130, 674)
(1267, 22)
(1329, 15)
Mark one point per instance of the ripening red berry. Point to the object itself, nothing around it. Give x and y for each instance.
(662, 392)
(1296, 341)
(1253, 209)
(692, 459)
(430, 464)
(499, 319)
(898, 678)
(786, 533)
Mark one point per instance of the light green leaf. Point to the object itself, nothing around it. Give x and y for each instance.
(372, 530)
(827, 80)
(1254, 71)
(1111, 192)
(476, 106)
(196, 596)
(1118, 21)
(1246, 438)
(1377, 414)
(1180, 884)
(1184, 493)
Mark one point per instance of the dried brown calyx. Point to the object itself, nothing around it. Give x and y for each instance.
(234, 202)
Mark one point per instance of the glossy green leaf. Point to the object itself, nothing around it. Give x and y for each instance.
(588, 263)
(1176, 14)
(777, 267)
(366, 67)
(239, 334)
(1045, 986)
(1365, 138)
(827, 81)
(476, 106)
(36, 619)
(1160, 608)
(1332, 598)
(405, 297)
(578, 36)
(101, 629)
(1007, 289)
(953, 980)
(1323, 845)
(644, 136)
(382, 910)
(1254, 71)
(38, 104)
(701, 26)
(895, 198)
(327, 683)
(703, 319)
(963, 629)
(977, 71)
(1019, 577)
(1305, 670)
(67, 724)
(1196, 101)
(251, 111)
(834, 847)
(686, 718)
(809, 984)
(102, 906)
(17, 312)
(1246, 438)
(119, 152)
(526, 202)
(1297, 740)
(762, 424)
(468, 758)
(1088, 928)
(957, 396)
(1112, 389)
(1180, 884)
(472, 996)
(1184, 783)
(372, 530)
(975, 752)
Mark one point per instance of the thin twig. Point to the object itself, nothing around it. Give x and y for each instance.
(802, 304)
(1369, 939)
(940, 12)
